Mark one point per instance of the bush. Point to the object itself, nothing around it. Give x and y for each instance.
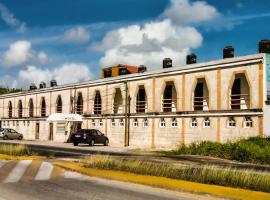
(254, 150)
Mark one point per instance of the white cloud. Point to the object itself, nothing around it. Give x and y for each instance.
(10, 20)
(66, 73)
(42, 57)
(184, 12)
(21, 52)
(76, 35)
(174, 36)
(148, 44)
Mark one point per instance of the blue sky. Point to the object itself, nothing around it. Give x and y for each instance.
(70, 40)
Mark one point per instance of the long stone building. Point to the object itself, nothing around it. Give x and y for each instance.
(217, 101)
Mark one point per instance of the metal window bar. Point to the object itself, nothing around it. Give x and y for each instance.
(237, 100)
(199, 103)
(97, 108)
(141, 106)
(59, 109)
(43, 112)
(169, 105)
(117, 108)
(79, 109)
(20, 113)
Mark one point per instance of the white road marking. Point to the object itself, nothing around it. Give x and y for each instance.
(18, 171)
(44, 172)
(72, 175)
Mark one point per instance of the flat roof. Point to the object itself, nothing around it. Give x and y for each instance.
(221, 63)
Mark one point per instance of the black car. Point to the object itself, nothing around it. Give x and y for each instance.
(89, 136)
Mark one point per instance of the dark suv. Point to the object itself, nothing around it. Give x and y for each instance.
(89, 136)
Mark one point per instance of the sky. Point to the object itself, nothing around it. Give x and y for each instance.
(71, 41)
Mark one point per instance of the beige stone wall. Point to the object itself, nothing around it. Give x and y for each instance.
(153, 134)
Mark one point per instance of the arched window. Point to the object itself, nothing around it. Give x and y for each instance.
(118, 102)
(248, 123)
(20, 109)
(174, 122)
(194, 123)
(112, 123)
(79, 109)
(145, 122)
(97, 103)
(231, 122)
(240, 93)
(201, 96)
(162, 123)
(43, 107)
(169, 101)
(59, 105)
(9, 109)
(31, 108)
(206, 122)
(141, 100)
(135, 122)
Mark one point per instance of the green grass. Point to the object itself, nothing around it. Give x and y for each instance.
(246, 179)
(15, 150)
(254, 150)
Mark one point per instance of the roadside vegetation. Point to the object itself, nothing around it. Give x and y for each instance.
(253, 150)
(4, 90)
(15, 150)
(246, 179)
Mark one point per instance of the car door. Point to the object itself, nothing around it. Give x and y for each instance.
(13, 134)
(100, 137)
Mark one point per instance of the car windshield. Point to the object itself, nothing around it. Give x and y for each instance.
(80, 131)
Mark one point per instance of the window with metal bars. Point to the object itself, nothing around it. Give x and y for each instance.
(59, 105)
(169, 100)
(20, 109)
(141, 104)
(43, 107)
(9, 109)
(79, 106)
(97, 103)
(31, 108)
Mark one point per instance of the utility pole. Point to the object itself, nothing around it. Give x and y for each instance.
(127, 113)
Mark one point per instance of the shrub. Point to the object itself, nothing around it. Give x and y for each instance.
(255, 150)
(15, 150)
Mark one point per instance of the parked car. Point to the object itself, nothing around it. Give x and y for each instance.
(8, 133)
(89, 136)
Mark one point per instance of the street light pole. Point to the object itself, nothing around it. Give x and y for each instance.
(127, 112)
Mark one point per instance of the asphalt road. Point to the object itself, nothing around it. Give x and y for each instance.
(31, 180)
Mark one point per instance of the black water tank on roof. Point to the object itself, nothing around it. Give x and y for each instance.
(42, 85)
(53, 83)
(228, 52)
(167, 63)
(264, 46)
(191, 59)
(32, 86)
(142, 69)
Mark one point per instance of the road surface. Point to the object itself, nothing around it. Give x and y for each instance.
(31, 180)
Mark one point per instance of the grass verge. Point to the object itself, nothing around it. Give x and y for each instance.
(246, 179)
(254, 150)
(167, 183)
(15, 150)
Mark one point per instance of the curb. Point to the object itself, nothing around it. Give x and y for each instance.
(168, 183)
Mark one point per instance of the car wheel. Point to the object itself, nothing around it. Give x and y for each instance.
(5, 137)
(91, 143)
(75, 144)
(20, 137)
(106, 143)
